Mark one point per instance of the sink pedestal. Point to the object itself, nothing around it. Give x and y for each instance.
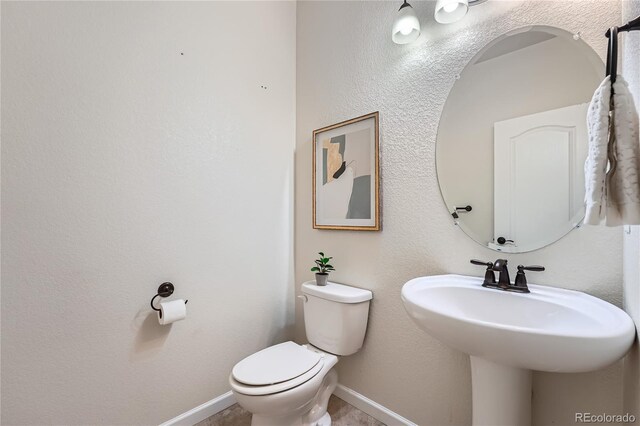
(548, 329)
(501, 394)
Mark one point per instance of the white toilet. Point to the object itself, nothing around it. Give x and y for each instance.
(289, 384)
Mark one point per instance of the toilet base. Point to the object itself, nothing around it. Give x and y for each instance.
(324, 421)
(312, 414)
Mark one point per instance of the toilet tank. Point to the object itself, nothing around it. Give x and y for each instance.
(335, 316)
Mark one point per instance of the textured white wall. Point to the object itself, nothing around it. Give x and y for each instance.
(629, 66)
(348, 66)
(126, 164)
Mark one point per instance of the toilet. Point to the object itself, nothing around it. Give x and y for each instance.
(289, 384)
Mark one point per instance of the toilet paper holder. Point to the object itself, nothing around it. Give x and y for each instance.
(165, 290)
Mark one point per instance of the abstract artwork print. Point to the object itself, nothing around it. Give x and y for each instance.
(345, 175)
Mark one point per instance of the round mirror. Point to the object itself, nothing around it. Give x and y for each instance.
(512, 139)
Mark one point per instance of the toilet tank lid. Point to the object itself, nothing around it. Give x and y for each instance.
(337, 292)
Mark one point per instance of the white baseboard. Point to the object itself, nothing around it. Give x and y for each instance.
(203, 411)
(350, 396)
(370, 407)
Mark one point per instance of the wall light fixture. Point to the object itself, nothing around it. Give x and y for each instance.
(406, 27)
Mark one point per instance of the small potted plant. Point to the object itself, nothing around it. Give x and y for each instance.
(322, 269)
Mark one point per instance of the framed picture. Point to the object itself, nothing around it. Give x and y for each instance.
(346, 175)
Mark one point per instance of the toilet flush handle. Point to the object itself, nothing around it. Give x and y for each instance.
(303, 297)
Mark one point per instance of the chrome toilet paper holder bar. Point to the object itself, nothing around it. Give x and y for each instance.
(165, 290)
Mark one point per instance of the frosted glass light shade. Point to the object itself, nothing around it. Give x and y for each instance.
(449, 11)
(406, 27)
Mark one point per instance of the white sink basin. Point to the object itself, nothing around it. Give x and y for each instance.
(508, 334)
(549, 329)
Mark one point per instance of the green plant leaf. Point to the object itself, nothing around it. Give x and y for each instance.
(328, 266)
(325, 260)
(321, 254)
(315, 269)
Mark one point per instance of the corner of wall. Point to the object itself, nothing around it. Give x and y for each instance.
(631, 240)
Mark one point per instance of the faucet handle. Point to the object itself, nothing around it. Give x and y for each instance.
(521, 279)
(489, 276)
(533, 268)
(481, 263)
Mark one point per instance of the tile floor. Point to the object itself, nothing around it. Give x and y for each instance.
(342, 414)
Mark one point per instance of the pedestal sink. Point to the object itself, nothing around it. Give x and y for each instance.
(509, 334)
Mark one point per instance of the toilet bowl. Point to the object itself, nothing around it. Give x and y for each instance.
(288, 395)
(290, 384)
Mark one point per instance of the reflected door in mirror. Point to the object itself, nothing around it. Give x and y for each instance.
(538, 176)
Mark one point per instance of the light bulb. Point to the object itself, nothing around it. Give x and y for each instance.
(406, 27)
(450, 7)
(449, 11)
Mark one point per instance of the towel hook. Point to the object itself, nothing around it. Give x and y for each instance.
(612, 52)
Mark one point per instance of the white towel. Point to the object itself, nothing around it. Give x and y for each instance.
(623, 183)
(612, 196)
(595, 168)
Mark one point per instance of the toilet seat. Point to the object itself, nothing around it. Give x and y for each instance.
(276, 369)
